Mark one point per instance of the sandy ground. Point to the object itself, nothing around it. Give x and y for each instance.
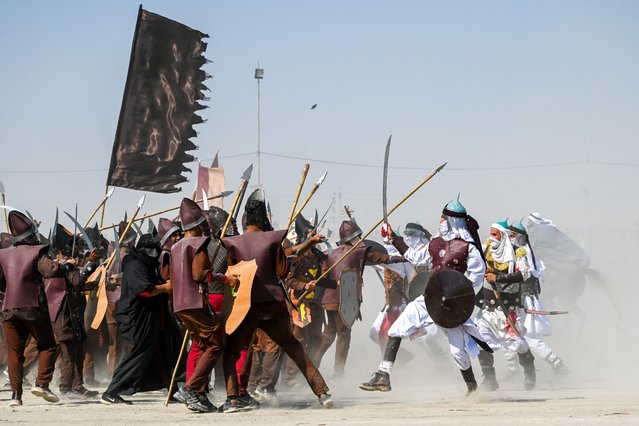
(437, 402)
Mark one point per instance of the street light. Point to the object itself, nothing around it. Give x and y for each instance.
(259, 75)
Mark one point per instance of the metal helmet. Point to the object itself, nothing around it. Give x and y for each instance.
(348, 231)
(302, 226)
(256, 212)
(166, 228)
(62, 240)
(20, 226)
(190, 214)
(216, 217)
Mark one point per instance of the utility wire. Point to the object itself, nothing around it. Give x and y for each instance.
(363, 165)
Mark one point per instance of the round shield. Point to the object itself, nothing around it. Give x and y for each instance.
(375, 246)
(449, 298)
(418, 284)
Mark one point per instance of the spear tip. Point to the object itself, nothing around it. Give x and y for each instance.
(247, 173)
(439, 169)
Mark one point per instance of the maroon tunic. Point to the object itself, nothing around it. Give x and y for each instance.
(266, 249)
(452, 254)
(23, 280)
(186, 291)
(355, 260)
(55, 289)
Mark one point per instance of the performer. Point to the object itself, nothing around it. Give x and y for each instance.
(268, 310)
(308, 319)
(349, 234)
(501, 305)
(537, 326)
(116, 350)
(143, 320)
(191, 270)
(395, 279)
(66, 302)
(457, 247)
(24, 310)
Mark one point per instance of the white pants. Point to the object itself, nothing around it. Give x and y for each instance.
(494, 330)
(415, 322)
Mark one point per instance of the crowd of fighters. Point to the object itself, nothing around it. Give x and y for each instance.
(176, 280)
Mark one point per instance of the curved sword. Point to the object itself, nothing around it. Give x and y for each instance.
(80, 228)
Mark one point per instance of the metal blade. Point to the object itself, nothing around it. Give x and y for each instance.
(385, 181)
(321, 179)
(317, 222)
(224, 194)
(247, 173)
(110, 192)
(439, 169)
(54, 231)
(137, 228)
(80, 229)
(75, 229)
(205, 200)
(141, 202)
(2, 190)
(116, 246)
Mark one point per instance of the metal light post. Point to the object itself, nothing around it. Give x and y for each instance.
(259, 75)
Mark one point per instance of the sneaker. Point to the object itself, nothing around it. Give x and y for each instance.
(93, 383)
(194, 403)
(230, 406)
(265, 395)
(87, 393)
(44, 392)
(180, 395)
(69, 395)
(16, 400)
(380, 381)
(207, 402)
(325, 400)
(247, 402)
(108, 398)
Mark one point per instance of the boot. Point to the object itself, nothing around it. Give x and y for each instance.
(487, 360)
(380, 381)
(526, 360)
(469, 378)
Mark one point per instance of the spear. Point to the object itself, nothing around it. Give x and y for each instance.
(103, 202)
(223, 194)
(316, 186)
(363, 237)
(100, 315)
(299, 191)
(4, 203)
(246, 176)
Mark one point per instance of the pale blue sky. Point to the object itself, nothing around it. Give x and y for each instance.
(477, 84)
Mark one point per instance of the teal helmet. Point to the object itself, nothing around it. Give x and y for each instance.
(455, 208)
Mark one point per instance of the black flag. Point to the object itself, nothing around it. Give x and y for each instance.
(163, 87)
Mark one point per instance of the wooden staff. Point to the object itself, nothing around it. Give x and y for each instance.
(363, 237)
(245, 179)
(308, 198)
(102, 203)
(297, 196)
(97, 319)
(223, 194)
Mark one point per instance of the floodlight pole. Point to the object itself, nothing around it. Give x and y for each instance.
(259, 75)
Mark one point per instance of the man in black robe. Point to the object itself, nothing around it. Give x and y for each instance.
(143, 319)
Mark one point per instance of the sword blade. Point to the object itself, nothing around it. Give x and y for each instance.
(385, 181)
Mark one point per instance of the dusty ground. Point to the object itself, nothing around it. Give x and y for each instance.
(439, 402)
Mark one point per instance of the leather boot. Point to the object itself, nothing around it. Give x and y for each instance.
(379, 382)
(526, 360)
(469, 378)
(487, 360)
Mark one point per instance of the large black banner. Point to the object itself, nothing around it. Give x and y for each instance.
(163, 87)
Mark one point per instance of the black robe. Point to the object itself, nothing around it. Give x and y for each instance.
(147, 324)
